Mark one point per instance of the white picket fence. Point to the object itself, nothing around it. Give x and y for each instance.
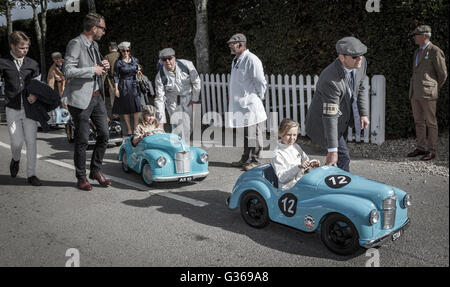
(290, 97)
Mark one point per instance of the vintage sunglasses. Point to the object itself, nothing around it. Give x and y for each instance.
(165, 59)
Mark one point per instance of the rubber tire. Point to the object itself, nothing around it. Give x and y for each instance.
(125, 166)
(144, 172)
(327, 235)
(258, 221)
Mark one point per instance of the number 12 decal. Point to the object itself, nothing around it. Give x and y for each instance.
(288, 204)
(337, 181)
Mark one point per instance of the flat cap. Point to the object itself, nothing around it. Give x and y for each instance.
(124, 45)
(237, 38)
(422, 29)
(167, 52)
(350, 46)
(56, 55)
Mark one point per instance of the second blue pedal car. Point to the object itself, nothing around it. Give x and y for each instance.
(349, 211)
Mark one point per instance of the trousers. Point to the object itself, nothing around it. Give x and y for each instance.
(424, 112)
(96, 111)
(252, 143)
(343, 154)
(21, 129)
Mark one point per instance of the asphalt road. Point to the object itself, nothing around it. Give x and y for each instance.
(129, 224)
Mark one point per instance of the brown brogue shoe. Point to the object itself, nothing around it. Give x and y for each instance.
(417, 152)
(429, 156)
(98, 175)
(84, 184)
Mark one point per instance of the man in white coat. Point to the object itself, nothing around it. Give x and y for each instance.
(247, 90)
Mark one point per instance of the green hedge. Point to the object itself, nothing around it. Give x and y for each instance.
(290, 37)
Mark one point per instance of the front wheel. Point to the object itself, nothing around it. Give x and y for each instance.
(147, 174)
(254, 210)
(340, 235)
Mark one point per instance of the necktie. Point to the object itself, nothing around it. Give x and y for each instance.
(19, 62)
(355, 111)
(97, 60)
(95, 54)
(235, 63)
(419, 55)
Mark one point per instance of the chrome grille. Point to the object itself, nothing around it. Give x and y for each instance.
(389, 207)
(183, 161)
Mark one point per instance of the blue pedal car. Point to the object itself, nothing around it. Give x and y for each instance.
(164, 157)
(350, 211)
(58, 116)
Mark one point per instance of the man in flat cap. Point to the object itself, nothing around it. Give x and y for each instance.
(340, 101)
(429, 75)
(55, 77)
(247, 91)
(177, 89)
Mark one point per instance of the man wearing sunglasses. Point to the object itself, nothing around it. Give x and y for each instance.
(84, 70)
(177, 89)
(341, 100)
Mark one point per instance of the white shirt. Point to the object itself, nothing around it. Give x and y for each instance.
(285, 162)
(16, 60)
(423, 49)
(247, 89)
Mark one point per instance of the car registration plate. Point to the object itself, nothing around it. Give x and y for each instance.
(396, 235)
(185, 179)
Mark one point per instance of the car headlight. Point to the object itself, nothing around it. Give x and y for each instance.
(204, 157)
(65, 114)
(407, 201)
(374, 216)
(161, 161)
(118, 128)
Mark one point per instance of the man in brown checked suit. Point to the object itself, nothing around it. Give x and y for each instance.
(429, 75)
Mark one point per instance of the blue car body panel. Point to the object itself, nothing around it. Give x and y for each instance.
(315, 199)
(166, 145)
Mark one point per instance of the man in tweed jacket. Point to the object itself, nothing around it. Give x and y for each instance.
(429, 75)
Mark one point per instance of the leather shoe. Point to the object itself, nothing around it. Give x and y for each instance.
(428, 156)
(98, 175)
(84, 184)
(417, 152)
(14, 167)
(33, 180)
(238, 164)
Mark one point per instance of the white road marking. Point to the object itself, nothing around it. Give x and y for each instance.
(123, 181)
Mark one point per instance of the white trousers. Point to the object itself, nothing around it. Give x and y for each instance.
(180, 115)
(22, 129)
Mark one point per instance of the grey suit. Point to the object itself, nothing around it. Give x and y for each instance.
(330, 113)
(79, 64)
(83, 104)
